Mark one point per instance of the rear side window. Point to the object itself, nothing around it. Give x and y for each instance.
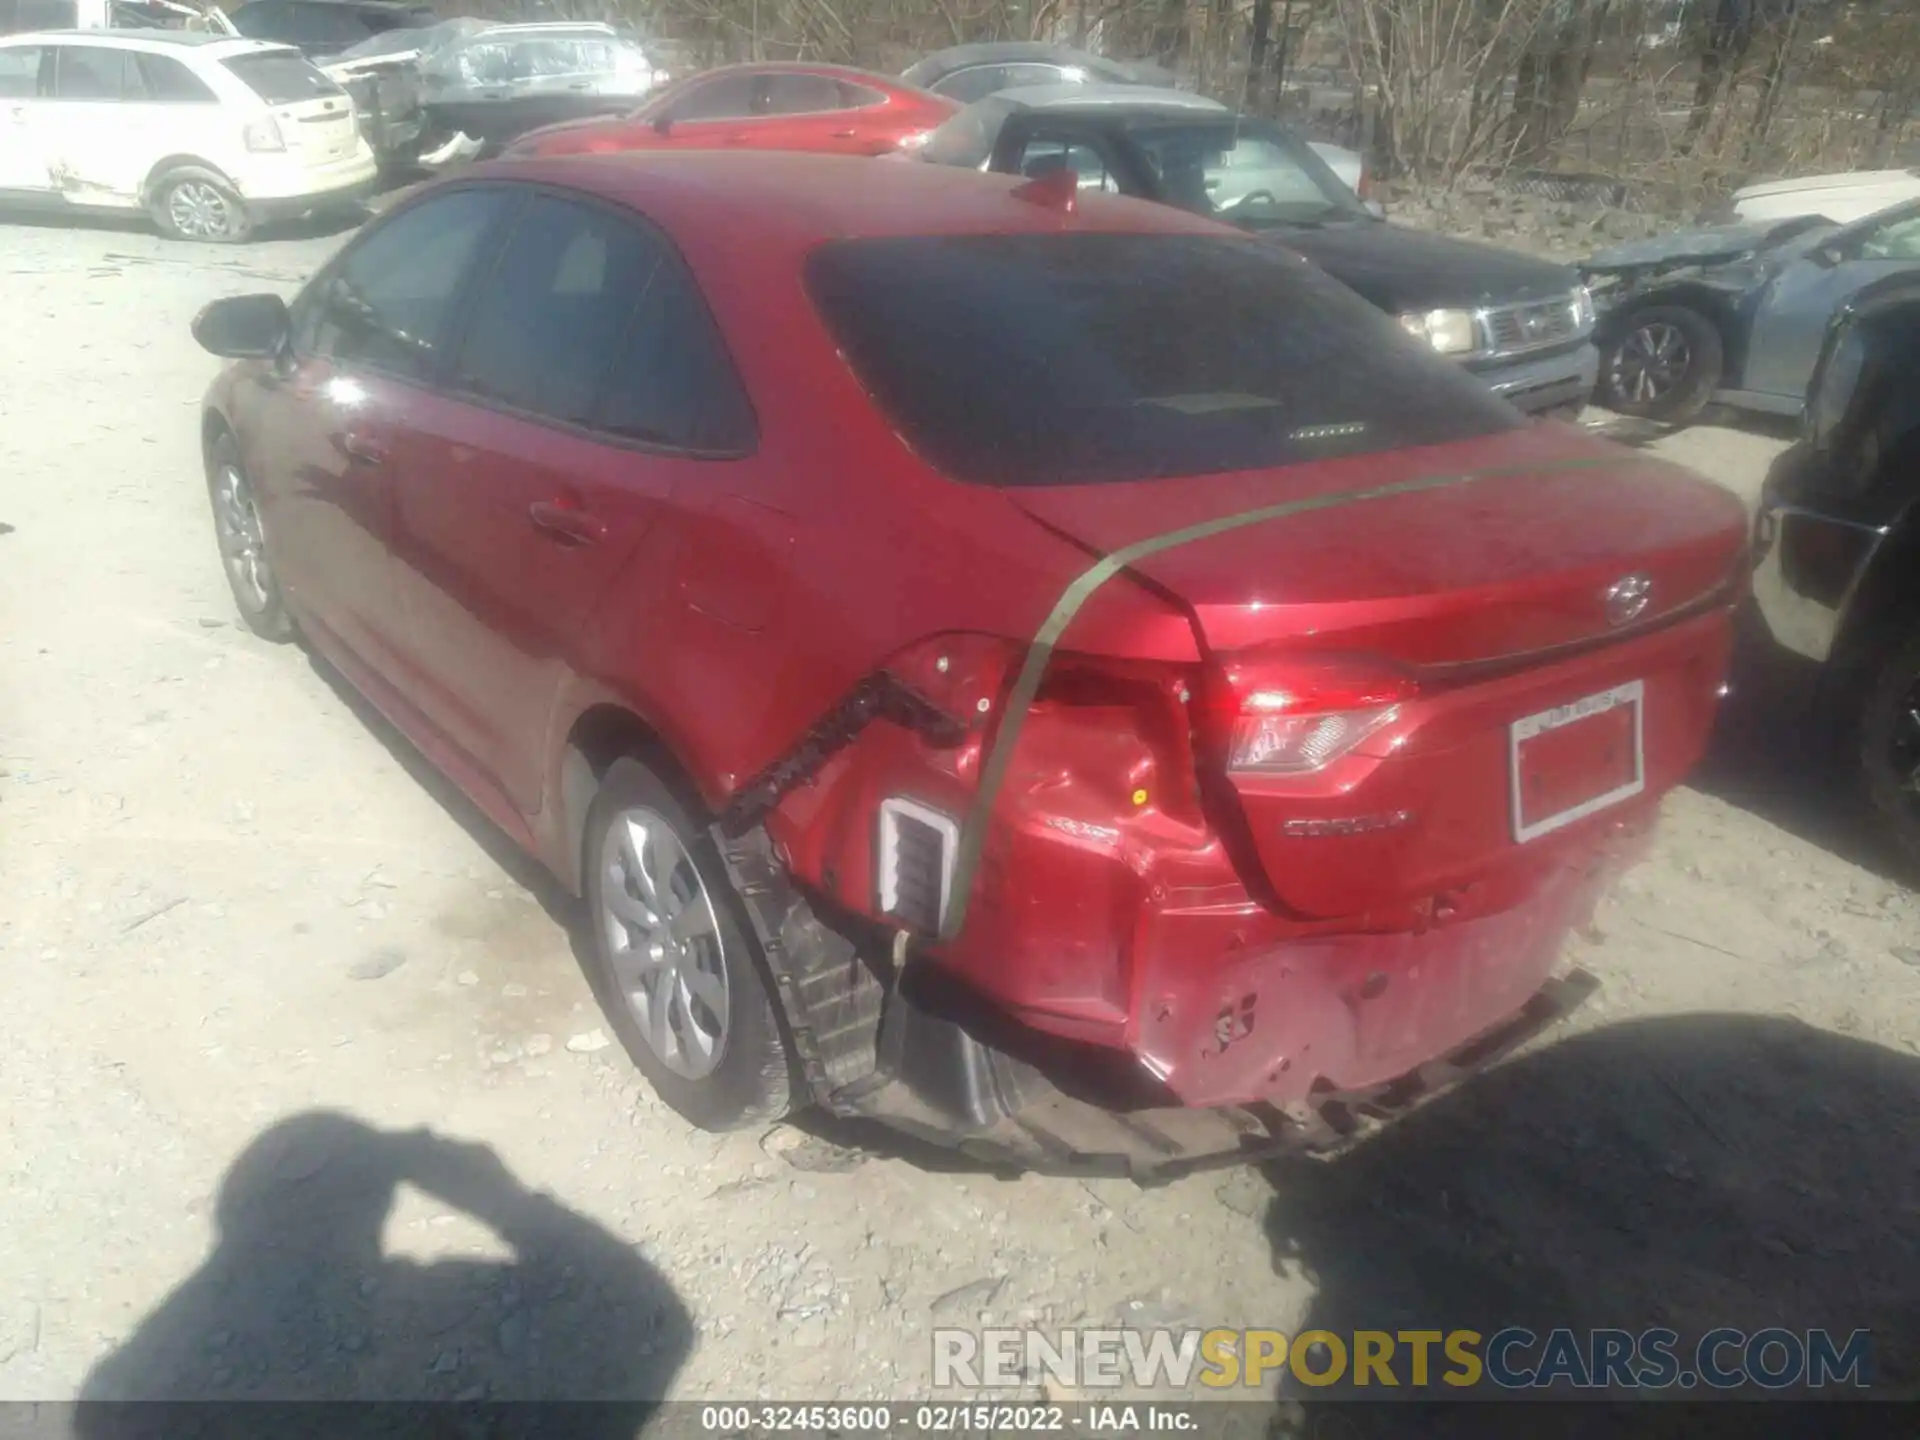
(588, 321)
(800, 95)
(726, 98)
(976, 82)
(1075, 359)
(389, 302)
(93, 72)
(170, 82)
(281, 77)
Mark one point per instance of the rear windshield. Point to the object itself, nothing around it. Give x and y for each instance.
(281, 77)
(1075, 359)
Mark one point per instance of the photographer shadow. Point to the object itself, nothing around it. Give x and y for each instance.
(1687, 1172)
(299, 1301)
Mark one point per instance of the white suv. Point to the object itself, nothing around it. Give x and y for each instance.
(208, 134)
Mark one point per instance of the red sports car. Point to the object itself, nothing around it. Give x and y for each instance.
(1044, 670)
(827, 109)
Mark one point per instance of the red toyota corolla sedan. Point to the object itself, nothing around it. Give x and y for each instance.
(825, 109)
(1046, 671)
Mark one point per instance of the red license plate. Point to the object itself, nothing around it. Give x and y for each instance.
(1577, 758)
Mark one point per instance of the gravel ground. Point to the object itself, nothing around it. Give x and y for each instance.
(277, 999)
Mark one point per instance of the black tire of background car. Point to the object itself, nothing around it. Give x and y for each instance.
(1705, 363)
(270, 621)
(754, 1082)
(1896, 684)
(241, 227)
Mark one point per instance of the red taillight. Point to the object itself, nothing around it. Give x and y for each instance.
(1296, 716)
(1365, 188)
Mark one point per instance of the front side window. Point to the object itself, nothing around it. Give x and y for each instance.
(587, 320)
(1896, 239)
(1088, 358)
(549, 319)
(389, 303)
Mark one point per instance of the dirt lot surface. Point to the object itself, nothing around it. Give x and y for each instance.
(273, 990)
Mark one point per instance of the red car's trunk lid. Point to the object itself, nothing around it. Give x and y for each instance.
(1516, 559)
(1516, 564)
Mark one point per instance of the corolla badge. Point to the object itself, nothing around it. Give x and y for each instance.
(1627, 599)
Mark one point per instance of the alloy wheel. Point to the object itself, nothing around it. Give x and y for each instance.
(1651, 363)
(243, 547)
(199, 211)
(664, 942)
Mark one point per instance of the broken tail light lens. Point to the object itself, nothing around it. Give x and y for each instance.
(1300, 718)
(263, 136)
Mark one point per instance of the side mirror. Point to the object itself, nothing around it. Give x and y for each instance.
(1826, 256)
(663, 123)
(243, 327)
(1375, 209)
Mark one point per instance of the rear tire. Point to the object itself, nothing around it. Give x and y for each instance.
(1890, 745)
(674, 963)
(193, 203)
(1664, 364)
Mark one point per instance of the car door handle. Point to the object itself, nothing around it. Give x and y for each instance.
(843, 135)
(361, 448)
(565, 523)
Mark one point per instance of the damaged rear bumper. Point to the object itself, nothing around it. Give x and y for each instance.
(939, 1083)
(1296, 1047)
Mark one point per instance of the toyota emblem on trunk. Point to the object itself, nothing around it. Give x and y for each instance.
(1627, 598)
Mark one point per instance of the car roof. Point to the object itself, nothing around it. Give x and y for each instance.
(387, 6)
(156, 39)
(770, 205)
(1106, 97)
(1004, 52)
(800, 67)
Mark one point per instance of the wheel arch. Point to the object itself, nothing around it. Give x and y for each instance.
(602, 732)
(167, 165)
(1715, 305)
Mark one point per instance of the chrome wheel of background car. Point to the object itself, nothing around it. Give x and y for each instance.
(664, 942)
(243, 546)
(199, 211)
(1651, 363)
